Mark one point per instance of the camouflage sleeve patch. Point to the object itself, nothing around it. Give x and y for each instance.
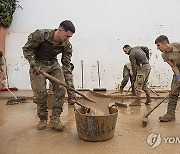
(68, 47)
(34, 39)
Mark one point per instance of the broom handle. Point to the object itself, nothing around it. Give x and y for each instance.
(11, 92)
(154, 92)
(63, 84)
(99, 78)
(126, 93)
(6, 73)
(82, 71)
(161, 101)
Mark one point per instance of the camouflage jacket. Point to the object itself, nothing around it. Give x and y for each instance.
(37, 38)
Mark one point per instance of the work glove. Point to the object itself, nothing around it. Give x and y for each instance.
(178, 78)
(35, 69)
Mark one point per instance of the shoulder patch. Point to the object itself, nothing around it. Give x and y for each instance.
(70, 46)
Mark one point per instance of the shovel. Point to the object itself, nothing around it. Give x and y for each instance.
(63, 84)
(101, 107)
(87, 103)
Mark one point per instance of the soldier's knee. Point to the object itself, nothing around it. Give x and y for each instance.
(63, 90)
(40, 95)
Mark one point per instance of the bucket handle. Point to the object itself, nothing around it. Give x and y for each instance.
(114, 106)
(80, 106)
(77, 111)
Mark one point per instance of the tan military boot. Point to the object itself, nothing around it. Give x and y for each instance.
(42, 124)
(56, 124)
(169, 116)
(137, 102)
(148, 101)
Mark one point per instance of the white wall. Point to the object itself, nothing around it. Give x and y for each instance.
(102, 28)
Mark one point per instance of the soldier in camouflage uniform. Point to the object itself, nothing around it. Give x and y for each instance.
(171, 55)
(127, 73)
(140, 72)
(41, 51)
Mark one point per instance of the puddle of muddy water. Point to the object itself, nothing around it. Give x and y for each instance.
(19, 134)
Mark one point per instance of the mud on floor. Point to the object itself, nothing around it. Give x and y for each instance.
(18, 132)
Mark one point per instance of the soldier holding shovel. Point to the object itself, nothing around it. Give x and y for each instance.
(41, 51)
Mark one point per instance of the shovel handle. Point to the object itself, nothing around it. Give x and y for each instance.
(99, 78)
(63, 84)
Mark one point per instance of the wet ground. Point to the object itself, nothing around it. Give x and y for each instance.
(19, 134)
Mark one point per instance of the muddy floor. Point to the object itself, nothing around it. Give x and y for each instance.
(19, 134)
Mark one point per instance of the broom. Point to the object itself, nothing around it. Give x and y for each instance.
(15, 100)
(145, 118)
(99, 79)
(7, 80)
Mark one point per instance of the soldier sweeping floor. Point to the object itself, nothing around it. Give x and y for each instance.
(140, 72)
(127, 73)
(171, 55)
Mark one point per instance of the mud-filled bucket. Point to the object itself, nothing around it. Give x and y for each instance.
(95, 128)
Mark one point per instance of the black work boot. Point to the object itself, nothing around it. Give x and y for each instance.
(42, 124)
(55, 123)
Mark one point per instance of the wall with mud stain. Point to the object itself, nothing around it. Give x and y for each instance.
(102, 28)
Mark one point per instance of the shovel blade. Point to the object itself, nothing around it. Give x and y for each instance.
(101, 107)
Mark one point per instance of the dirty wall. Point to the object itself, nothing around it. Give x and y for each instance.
(102, 28)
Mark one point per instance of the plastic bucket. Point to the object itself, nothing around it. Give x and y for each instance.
(95, 128)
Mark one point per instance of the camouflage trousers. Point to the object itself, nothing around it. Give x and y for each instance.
(126, 76)
(38, 84)
(141, 80)
(173, 97)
